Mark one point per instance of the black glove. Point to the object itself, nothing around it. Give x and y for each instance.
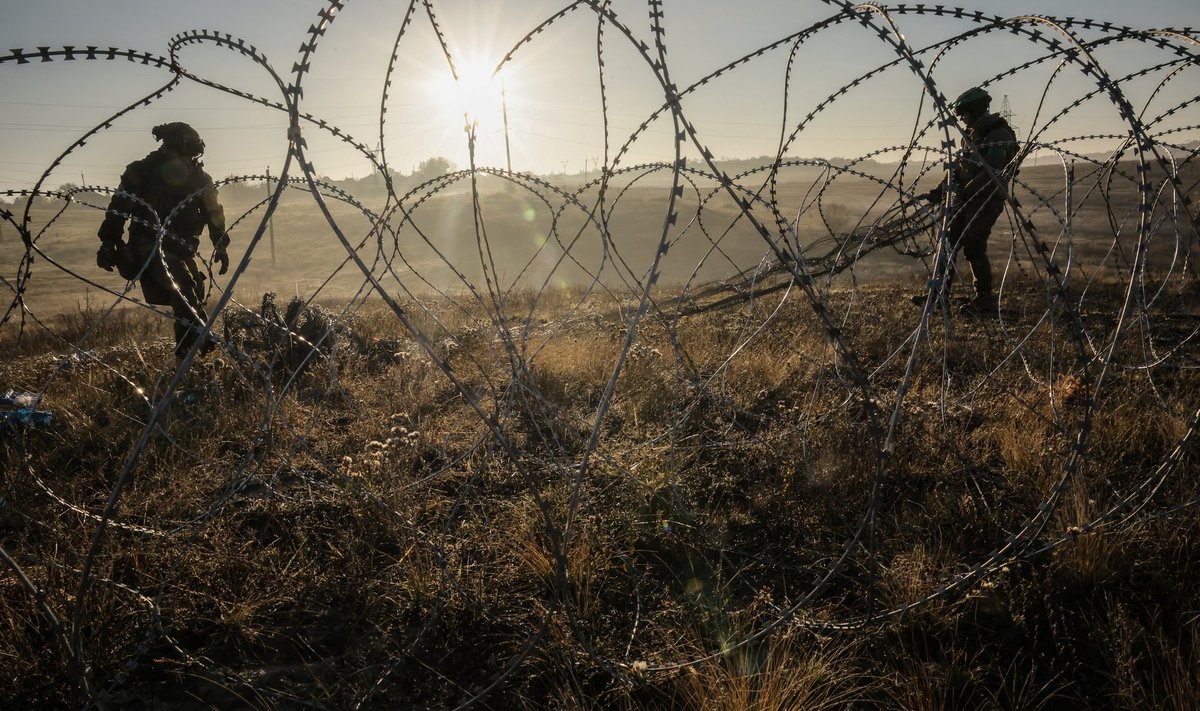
(222, 257)
(109, 255)
(934, 195)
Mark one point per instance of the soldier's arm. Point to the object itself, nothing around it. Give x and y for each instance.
(214, 214)
(120, 208)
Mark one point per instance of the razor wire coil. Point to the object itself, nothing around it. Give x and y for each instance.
(875, 396)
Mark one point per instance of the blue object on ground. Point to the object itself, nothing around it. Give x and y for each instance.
(24, 417)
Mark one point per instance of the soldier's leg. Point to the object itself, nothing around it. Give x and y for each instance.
(975, 250)
(159, 287)
(186, 305)
(974, 246)
(960, 225)
(941, 291)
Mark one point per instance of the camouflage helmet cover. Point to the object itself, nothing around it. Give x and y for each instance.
(972, 98)
(180, 136)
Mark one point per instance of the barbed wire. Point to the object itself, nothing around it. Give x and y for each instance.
(807, 255)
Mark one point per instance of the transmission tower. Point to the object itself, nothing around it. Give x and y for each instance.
(1006, 111)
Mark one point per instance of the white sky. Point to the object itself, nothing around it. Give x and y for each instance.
(552, 86)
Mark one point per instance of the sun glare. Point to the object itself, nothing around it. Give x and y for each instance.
(476, 93)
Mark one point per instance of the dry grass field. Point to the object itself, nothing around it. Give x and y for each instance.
(529, 506)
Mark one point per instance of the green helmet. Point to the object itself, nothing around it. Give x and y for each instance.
(180, 136)
(972, 99)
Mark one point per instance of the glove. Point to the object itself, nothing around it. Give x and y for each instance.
(934, 195)
(222, 257)
(109, 255)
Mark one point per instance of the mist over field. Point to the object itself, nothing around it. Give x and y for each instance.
(529, 238)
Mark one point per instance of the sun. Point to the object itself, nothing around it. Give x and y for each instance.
(477, 93)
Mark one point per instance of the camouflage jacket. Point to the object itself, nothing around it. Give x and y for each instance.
(182, 196)
(996, 144)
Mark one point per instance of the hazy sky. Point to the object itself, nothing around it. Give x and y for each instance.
(552, 87)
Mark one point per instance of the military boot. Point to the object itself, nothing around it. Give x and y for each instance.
(982, 305)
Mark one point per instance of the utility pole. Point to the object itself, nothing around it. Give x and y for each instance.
(271, 221)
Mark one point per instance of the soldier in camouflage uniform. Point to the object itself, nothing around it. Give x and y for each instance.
(978, 198)
(167, 192)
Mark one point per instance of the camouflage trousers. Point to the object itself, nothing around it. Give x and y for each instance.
(176, 281)
(968, 233)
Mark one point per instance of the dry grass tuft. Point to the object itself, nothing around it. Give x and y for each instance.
(353, 532)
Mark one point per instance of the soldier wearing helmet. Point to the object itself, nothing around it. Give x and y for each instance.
(979, 194)
(169, 200)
